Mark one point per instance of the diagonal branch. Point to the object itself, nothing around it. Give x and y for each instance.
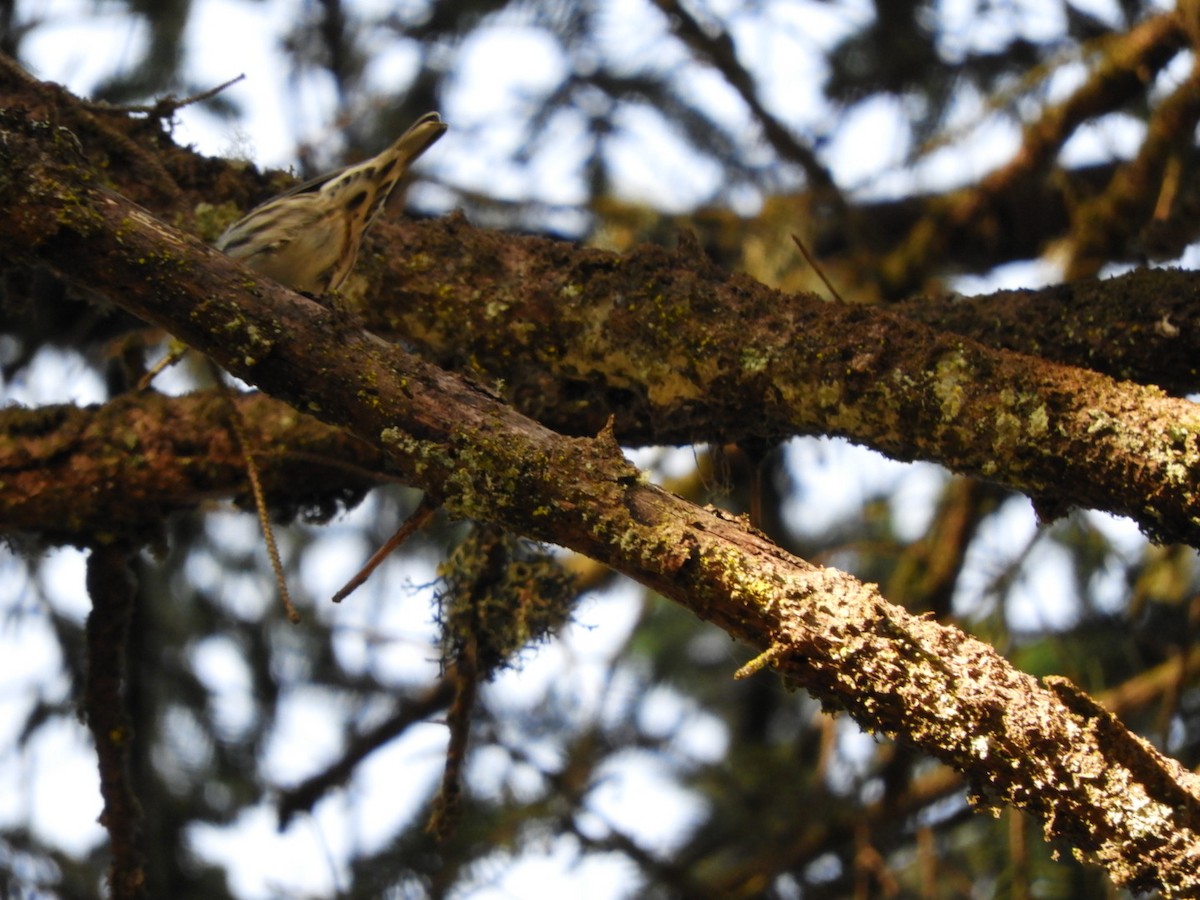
(1123, 66)
(678, 351)
(1108, 222)
(1050, 750)
(718, 49)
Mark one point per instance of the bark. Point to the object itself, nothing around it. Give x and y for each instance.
(1045, 748)
(71, 473)
(679, 352)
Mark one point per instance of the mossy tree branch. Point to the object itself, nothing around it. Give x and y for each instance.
(74, 475)
(1048, 750)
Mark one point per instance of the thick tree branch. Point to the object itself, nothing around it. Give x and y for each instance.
(680, 352)
(70, 474)
(1135, 329)
(1049, 751)
(1143, 326)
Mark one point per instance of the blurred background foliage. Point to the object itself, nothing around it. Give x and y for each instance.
(917, 147)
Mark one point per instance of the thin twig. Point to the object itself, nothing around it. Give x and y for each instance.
(237, 426)
(164, 107)
(407, 713)
(808, 258)
(167, 361)
(422, 514)
(448, 803)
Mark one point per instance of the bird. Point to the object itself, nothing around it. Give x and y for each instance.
(308, 237)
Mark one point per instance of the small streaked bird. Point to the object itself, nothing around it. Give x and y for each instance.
(308, 237)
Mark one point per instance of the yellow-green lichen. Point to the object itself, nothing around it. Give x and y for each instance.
(951, 375)
(1102, 423)
(1006, 430)
(755, 359)
(1039, 422)
(829, 394)
(495, 309)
